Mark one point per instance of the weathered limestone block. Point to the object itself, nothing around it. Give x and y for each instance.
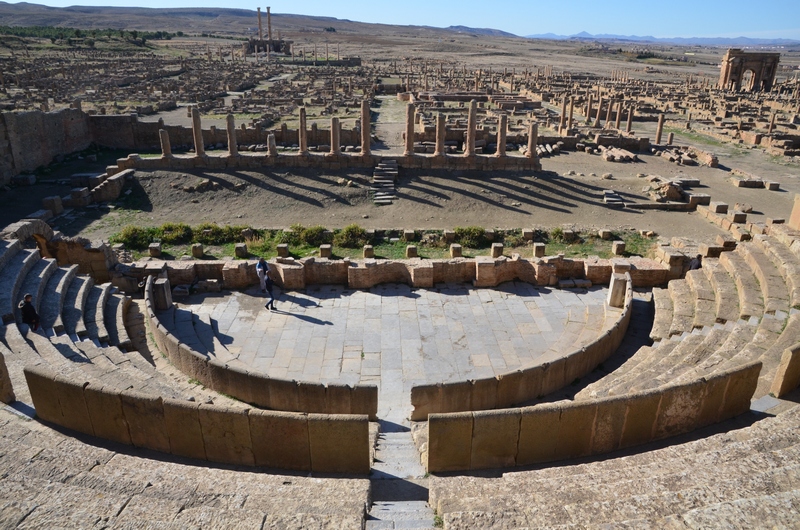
(105, 411)
(494, 438)
(240, 250)
(280, 439)
(283, 250)
(226, 435)
(144, 414)
(455, 250)
(497, 250)
(787, 376)
(339, 443)
(154, 250)
(616, 290)
(539, 250)
(6, 390)
(449, 441)
(368, 252)
(197, 250)
(182, 419)
(618, 248)
(54, 204)
(411, 251)
(162, 295)
(325, 251)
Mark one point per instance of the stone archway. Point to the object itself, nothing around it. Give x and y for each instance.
(736, 64)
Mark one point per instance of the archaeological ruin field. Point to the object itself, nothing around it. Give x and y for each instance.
(518, 283)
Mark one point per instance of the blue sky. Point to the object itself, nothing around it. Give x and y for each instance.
(675, 18)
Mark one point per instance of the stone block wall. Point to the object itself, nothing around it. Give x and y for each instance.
(94, 258)
(305, 442)
(562, 430)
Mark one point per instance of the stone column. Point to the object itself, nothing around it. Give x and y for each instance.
(366, 137)
(302, 139)
(336, 149)
(589, 110)
(599, 109)
(619, 115)
(608, 112)
(501, 135)
(630, 120)
(660, 128)
(272, 149)
(260, 30)
(233, 148)
(409, 150)
(166, 148)
(469, 148)
(571, 110)
(440, 134)
(533, 139)
(197, 132)
(562, 121)
(771, 124)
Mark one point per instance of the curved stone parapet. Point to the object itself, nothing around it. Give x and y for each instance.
(531, 383)
(248, 437)
(255, 387)
(557, 431)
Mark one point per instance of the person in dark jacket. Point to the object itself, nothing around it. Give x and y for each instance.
(29, 314)
(696, 263)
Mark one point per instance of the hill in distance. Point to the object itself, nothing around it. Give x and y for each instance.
(682, 41)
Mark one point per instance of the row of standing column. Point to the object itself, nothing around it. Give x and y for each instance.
(199, 143)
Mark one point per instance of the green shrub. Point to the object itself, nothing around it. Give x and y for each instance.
(315, 236)
(557, 234)
(290, 237)
(135, 237)
(471, 236)
(351, 236)
(175, 233)
(514, 240)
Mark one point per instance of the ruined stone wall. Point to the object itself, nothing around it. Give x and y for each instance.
(35, 138)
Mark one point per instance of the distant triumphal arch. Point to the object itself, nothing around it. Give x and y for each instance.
(736, 64)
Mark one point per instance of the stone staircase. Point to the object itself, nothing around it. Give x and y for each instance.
(383, 182)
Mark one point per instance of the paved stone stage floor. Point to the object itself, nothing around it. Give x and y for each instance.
(395, 336)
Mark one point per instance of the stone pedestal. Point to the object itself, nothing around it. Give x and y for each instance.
(240, 250)
(369, 252)
(455, 250)
(325, 251)
(618, 248)
(616, 290)
(538, 250)
(497, 250)
(162, 294)
(155, 250)
(411, 251)
(197, 250)
(283, 250)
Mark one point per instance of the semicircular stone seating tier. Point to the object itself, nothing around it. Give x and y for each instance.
(721, 335)
(80, 371)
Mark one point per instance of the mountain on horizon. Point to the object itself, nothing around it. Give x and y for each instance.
(684, 41)
(481, 31)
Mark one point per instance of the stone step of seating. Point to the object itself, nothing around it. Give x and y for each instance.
(616, 383)
(751, 303)
(36, 492)
(16, 359)
(11, 277)
(8, 249)
(383, 183)
(53, 297)
(682, 307)
(740, 336)
(704, 298)
(74, 304)
(726, 295)
(774, 290)
(114, 313)
(786, 263)
(581, 327)
(772, 357)
(35, 282)
(663, 315)
(685, 357)
(652, 365)
(750, 459)
(94, 312)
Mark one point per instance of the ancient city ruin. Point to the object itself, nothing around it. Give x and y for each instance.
(520, 289)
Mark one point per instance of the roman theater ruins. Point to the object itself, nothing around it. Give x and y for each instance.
(489, 310)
